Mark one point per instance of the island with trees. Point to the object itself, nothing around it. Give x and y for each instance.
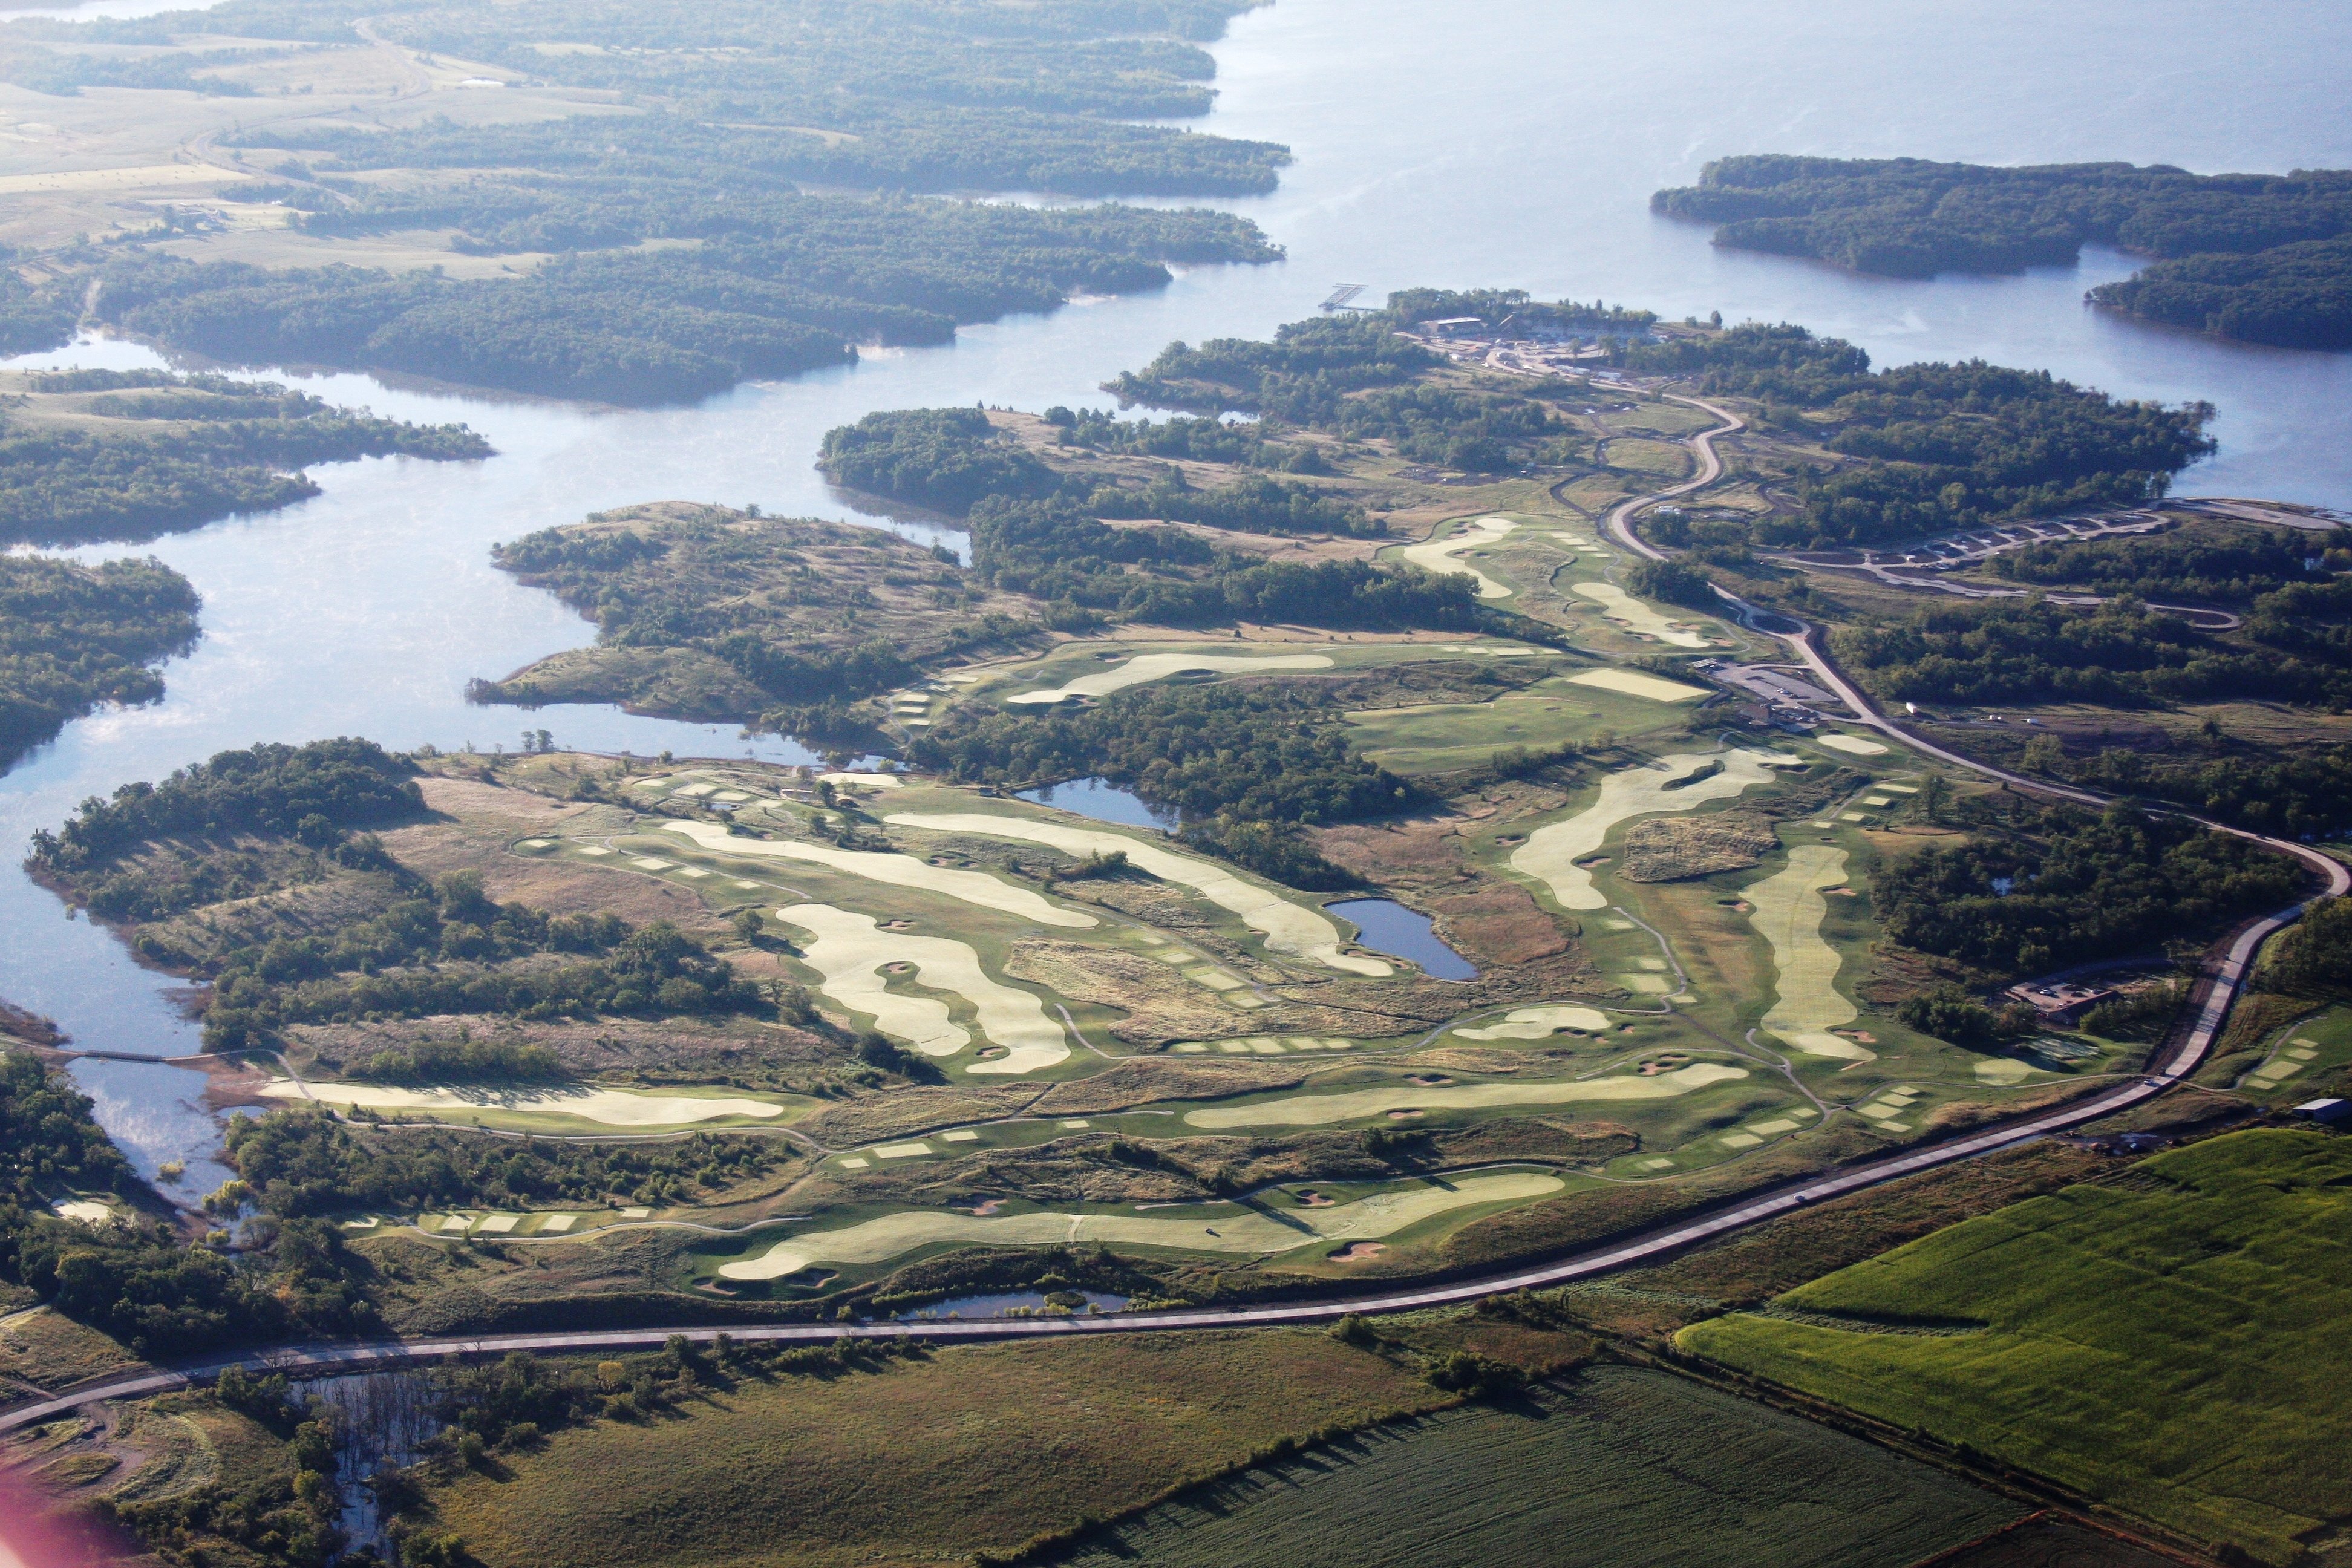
(2262, 258)
(97, 455)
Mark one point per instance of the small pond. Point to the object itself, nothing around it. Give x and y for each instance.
(1104, 800)
(1388, 927)
(1001, 1305)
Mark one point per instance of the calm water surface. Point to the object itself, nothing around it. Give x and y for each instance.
(1104, 800)
(1386, 926)
(1513, 142)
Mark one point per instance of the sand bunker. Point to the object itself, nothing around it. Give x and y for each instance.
(1152, 667)
(850, 950)
(1219, 1229)
(1536, 1023)
(90, 1211)
(1853, 744)
(1321, 1109)
(610, 1107)
(869, 781)
(1634, 683)
(1438, 554)
(1288, 930)
(1616, 604)
(898, 871)
(1551, 852)
(1789, 911)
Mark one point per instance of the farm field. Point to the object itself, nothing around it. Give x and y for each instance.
(923, 1461)
(1616, 1465)
(2164, 1339)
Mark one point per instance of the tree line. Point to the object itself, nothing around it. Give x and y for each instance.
(2061, 882)
(1254, 752)
(227, 447)
(73, 636)
(2264, 258)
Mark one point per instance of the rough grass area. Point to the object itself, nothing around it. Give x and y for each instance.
(47, 1350)
(2169, 1341)
(1743, 1268)
(925, 1462)
(1622, 1466)
(1666, 849)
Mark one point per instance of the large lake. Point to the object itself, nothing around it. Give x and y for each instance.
(1509, 142)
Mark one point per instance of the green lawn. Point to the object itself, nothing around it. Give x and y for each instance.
(2171, 1342)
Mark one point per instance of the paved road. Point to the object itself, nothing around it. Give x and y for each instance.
(1710, 468)
(2216, 994)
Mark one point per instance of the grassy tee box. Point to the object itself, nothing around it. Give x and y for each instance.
(2169, 1341)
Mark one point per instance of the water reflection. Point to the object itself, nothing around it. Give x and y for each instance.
(1387, 926)
(1105, 802)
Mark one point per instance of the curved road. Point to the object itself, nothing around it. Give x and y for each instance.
(2218, 990)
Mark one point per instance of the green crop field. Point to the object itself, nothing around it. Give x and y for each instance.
(1620, 1467)
(2169, 1341)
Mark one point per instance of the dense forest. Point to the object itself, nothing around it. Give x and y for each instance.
(446, 953)
(2065, 885)
(2304, 795)
(800, 285)
(1057, 551)
(74, 636)
(1255, 754)
(142, 452)
(302, 1161)
(2232, 566)
(313, 791)
(2119, 654)
(1943, 445)
(2259, 256)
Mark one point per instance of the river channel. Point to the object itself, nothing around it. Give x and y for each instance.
(1513, 142)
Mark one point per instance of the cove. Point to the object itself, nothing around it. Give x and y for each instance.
(1388, 927)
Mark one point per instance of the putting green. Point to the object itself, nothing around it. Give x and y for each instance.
(1438, 554)
(613, 1108)
(1616, 604)
(1789, 911)
(1228, 1228)
(1150, 667)
(1538, 1022)
(898, 871)
(1634, 683)
(1287, 928)
(1551, 853)
(1321, 1109)
(850, 950)
(1838, 741)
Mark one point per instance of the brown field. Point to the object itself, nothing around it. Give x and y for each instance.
(923, 1462)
